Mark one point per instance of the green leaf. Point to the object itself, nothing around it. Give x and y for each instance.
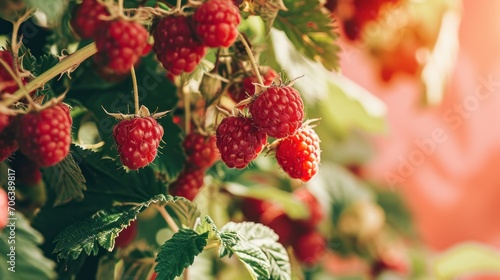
(259, 250)
(340, 103)
(310, 29)
(185, 210)
(53, 9)
(267, 10)
(208, 225)
(100, 229)
(66, 179)
(30, 263)
(178, 253)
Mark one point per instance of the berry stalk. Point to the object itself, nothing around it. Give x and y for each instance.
(136, 91)
(67, 63)
(171, 223)
(252, 59)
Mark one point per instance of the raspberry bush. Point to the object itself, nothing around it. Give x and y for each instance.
(132, 164)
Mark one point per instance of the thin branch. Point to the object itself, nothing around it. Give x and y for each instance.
(136, 91)
(171, 223)
(252, 58)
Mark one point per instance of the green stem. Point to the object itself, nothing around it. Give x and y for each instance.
(67, 63)
(252, 58)
(136, 91)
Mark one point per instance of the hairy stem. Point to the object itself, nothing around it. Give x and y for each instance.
(15, 44)
(136, 91)
(171, 223)
(67, 63)
(252, 58)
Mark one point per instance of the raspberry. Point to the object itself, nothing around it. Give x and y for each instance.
(239, 141)
(201, 150)
(316, 213)
(253, 208)
(278, 111)
(85, 19)
(137, 141)
(7, 83)
(4, 121)
(240, 91)
(217, 22)
(4, 214)
(45, 136)
(299, 154)
(309, 247)
(29, 170)
(120, 44)
(176, 46)
(127, 235)
(275, 218)
(188, 184)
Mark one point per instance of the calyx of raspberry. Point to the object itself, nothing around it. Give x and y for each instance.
(143, 112)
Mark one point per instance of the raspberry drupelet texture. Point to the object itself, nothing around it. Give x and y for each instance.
(85, 20)
(188, 184)
(201, 150)
(217, 23)
(176, 45)
(120, 44)
(278, 111)
(299, 154)
(240, 91)
(45, 136)
(239, 141)
(137, 141)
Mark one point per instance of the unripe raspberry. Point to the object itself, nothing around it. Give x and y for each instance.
(137, 141)
(239, 141)
(217, 23)
(45, 136)
(278, 111)
(176, 45)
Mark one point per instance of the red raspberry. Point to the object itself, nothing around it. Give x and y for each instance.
(239, 141)
(254, 208)
(240, 91)
(4, 121)
(85, 19)
(217, 23)
(45, 136)
(137, 141)
(8, 143)
(127, 235)
(28, 170)
(278, 111)
(299, 154)
(188, 184)
(120, 44)
(276, 219)
(201, 150)
(7, 83)
(315, 210)
(4, 214)
(176, 46)
(309, 248)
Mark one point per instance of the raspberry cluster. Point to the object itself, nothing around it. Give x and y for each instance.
(278, 112)
(181, 40)
(201, 153)
(308, 244)
(120, 42)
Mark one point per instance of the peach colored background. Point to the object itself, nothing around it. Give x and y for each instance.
(455, 194)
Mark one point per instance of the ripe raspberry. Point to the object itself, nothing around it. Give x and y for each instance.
(217, 22)
(120, 44)
(309, 248)
(278, 111)
(45, 136)
(188, 184)
(85, 19)
(275, 218)
(299, 154)
(239, 141)
(29, 171)
(4, 214)
(137, 141)
(4, 121)
(254, 208)
(315, 210)
(176, 46)
(7, 83)
(126, 236)
(201, 150)
(245, 89)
